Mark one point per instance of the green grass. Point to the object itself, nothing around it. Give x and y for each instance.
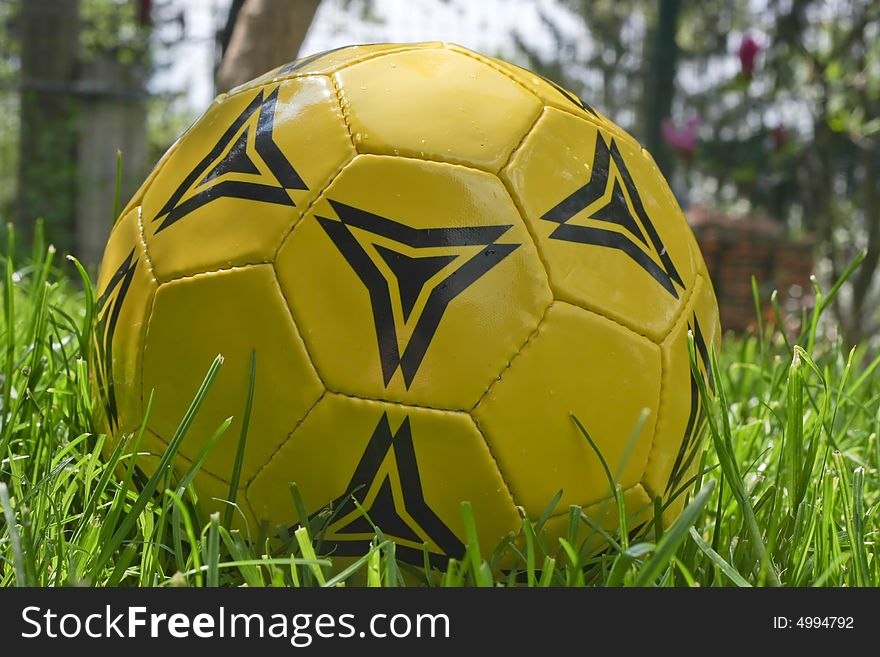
(787, 493)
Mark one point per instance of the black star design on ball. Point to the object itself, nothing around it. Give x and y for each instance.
(574, 99)
(412, 274)
(109, 306)
(387, 486)
(234, 154)
(639, 239)
(688, 448)
(302, 62)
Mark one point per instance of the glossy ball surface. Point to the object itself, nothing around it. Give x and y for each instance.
(437, 259)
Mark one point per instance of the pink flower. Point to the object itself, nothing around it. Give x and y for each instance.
(779, 137)
(748, 54)
(145, 12)
(682, 140)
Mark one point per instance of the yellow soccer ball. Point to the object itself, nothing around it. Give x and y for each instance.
(439, 261)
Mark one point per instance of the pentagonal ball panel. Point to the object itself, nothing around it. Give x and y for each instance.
(577, 364)
(233, 313)
(408, 468)
(612, 236)
(239, 178)
(436, 104)
(413, 281)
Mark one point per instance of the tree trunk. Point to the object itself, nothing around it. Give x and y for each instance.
(113, 117)
(267, 33)
(864, 317)
(661, 83)
(47, 145)
(226, 33)
(864, 277)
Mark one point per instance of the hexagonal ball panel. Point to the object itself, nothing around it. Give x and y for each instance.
(125, 293)
(239, 178)
(410, 469)
(436, 104)
(550, 93)
(612, 236)
(330, 61)
(577, 363)
(413, 281)
(231, 313)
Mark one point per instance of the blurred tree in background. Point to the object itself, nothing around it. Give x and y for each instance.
(9, 104)
(260, 35)
(81, 69)
(84, 65)
(47, 137)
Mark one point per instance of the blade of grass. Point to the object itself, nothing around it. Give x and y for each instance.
(472, 547)
(308, 552)
(242, 439)
(723, 442)
(14, 537)
(149, 488)
(213, 551)
(673, 538)
(718, 560)
(118, 187)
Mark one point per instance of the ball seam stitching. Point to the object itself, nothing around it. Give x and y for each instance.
(394, 402)
(504, 479)
(218, 270)
(520, 210)
(320, 195)
(346, 119)
(149, 318)
(513, 356)
(323, 190)
(296, 328)
(284, 442)
(143, 242)
(519, 144)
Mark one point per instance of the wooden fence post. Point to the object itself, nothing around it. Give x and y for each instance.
(113, 117)
(47, 143)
